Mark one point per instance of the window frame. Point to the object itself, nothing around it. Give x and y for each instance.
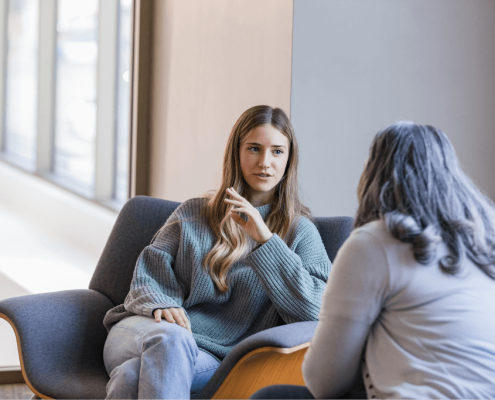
(107, 100)
(3, 68)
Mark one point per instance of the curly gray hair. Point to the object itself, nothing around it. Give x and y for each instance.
(413, 180)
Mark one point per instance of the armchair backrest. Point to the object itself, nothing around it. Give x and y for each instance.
(140, 219)
(334, 231)
(137, 223)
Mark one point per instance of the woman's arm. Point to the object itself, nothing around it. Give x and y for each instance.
(154, 284)
(294, 278)
(352, 302)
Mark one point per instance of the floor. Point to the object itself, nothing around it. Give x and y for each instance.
(17, 391)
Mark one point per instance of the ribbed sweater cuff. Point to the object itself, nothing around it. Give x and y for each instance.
(268, 257)
(147, 308)
(288, 283)
(153, 307)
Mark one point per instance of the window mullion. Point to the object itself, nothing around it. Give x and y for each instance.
(46, 85)
(106, 103)
(3, 66)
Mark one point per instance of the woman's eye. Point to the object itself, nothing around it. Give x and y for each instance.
(278, 152)
(254, 148)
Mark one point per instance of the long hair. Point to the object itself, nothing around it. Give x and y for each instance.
(231, 241)
(413, 181)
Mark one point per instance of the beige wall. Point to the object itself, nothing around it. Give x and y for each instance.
(210, 61)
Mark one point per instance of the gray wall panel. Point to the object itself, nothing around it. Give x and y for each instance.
(360, 65)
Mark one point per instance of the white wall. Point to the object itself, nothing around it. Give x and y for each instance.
(360, 65)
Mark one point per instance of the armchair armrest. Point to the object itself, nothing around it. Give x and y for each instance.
(60, 339)
(266, 348)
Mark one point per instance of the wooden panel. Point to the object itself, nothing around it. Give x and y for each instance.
(140, 82)
(263, 367)
(9, 376)
(210, 61)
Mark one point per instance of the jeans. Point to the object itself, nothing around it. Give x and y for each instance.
(154, 360)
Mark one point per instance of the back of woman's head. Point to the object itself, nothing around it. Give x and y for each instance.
(413, 181)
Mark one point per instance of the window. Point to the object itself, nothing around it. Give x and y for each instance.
(65, 114)
(76, 75)
(123, 90)
(19, 142)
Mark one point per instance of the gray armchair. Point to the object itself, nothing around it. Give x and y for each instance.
(60, 336)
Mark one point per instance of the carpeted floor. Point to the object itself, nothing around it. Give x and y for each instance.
(16, 391)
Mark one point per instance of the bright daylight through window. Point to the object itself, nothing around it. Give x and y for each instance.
(21, 85)
(84, 147)
(75, 114)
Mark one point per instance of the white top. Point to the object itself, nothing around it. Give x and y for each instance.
(425, 333)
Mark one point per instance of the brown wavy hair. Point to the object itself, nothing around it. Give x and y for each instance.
(232, 242)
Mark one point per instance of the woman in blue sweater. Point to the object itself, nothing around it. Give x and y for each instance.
(222, 268)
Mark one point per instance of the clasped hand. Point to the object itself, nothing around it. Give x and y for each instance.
(254, 227)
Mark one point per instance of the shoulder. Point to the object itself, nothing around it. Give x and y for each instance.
(305, 237)
(186, 216)
(363, 257)
(304, 226)
(372, 235)
(190, 208)
(367, 248)
(375, 235)
(187, 219)
(303, 229)
(376, 229)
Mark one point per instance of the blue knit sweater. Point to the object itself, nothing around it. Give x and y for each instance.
(277, 279)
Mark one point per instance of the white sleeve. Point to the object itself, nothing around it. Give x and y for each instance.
(353, 298)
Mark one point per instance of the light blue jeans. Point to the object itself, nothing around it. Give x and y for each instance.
(154, 360)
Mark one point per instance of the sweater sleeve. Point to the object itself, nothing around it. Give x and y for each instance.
(352, 302)
(154, 284)
(294, 278)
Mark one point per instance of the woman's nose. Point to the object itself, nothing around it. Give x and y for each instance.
(264, 161)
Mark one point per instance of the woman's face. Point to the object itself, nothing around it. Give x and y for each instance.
(264, 155)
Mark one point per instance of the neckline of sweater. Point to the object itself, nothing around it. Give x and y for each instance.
(264, 210)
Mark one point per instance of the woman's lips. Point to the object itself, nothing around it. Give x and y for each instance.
(263, 177)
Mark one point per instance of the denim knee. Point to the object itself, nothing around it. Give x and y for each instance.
(128, 371)
(124, 380)
(164, 334)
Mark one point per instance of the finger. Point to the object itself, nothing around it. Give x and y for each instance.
(168, 316)
(244, 210)
(158, 314)
(178, 318)
(184, 317)
(233, 193)
(235, 202)
(237, 218)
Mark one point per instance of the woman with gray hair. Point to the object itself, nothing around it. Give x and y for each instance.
(410, 301)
